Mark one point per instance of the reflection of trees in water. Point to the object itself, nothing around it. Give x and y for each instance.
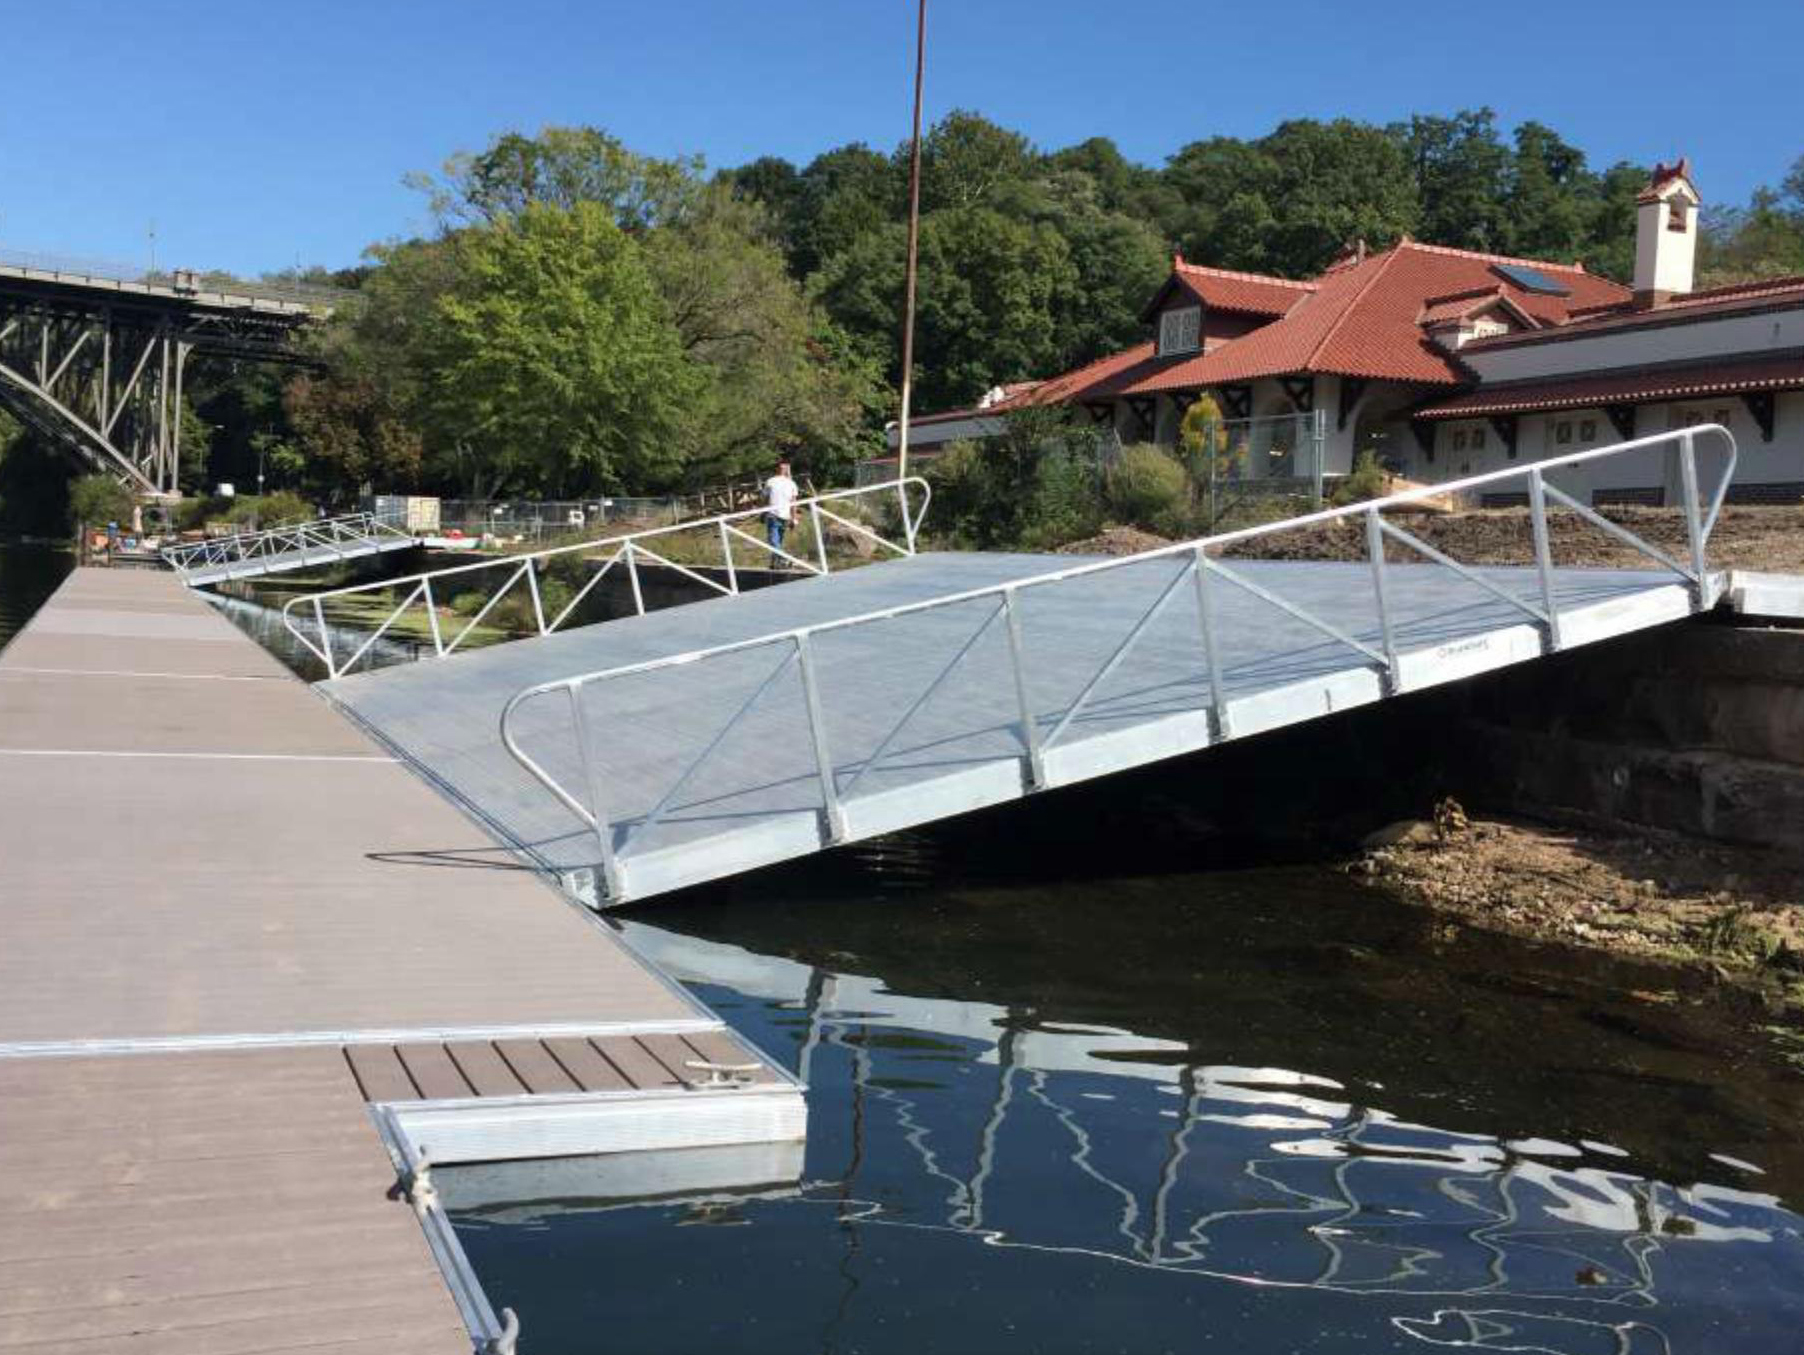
(1332, 1196)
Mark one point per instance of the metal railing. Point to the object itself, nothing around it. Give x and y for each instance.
(1201, 569)
(428, 589)
(78, 270)
(314, 534)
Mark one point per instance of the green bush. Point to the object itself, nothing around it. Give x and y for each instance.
(269, 510)
(95, 500)
(1147, 487)
(1066, 504)
(1367, 481)
(468, 603)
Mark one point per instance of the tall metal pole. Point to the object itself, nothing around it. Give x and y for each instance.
(914, 236)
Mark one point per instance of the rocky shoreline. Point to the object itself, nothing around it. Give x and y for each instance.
(1731, 915)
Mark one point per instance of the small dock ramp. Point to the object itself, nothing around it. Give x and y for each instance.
(688, 745)
(297, 545)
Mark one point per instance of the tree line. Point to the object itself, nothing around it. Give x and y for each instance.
(587, 319)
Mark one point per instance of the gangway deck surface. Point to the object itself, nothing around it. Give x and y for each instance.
(759, 800)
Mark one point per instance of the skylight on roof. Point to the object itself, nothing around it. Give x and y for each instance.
(1533, 280)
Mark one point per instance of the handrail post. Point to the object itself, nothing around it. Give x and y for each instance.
(1375, 547)
(632, 573)
(325, 636)
(1205, 610)
(908, 527)
(1030, 727)
(604, 831)
(438, 642)
(726, 551)
(817, 730)
(820, 537)
(532, 587)
(1694, 535)
(1537, 516)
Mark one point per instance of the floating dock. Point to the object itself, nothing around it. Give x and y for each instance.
(251, 972)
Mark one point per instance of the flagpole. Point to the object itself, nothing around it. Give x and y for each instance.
(914, 236)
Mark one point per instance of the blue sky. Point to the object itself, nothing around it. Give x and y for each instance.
(258, 134)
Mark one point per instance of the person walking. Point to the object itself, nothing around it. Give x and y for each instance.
(779, 510)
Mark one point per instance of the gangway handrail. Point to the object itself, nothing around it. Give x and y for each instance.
(305, 534)
(1200, 567)
(627, 547)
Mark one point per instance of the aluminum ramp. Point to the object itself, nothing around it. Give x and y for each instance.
(298, 545)
(666, 750)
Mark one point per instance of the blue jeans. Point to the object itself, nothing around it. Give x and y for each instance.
(774, 527)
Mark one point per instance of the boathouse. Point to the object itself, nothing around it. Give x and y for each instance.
(1446, 363)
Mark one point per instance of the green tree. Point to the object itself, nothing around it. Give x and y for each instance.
(772, 378)
(1461, 168)
(552, 354)
(990, 294)
(95, 500)
(842, 195)
(561, 167)
(966, 159)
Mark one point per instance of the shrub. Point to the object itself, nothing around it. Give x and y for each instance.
(1066, 504)
(95, 500)
(1148, 488)
(468, 603)
(1367, 481)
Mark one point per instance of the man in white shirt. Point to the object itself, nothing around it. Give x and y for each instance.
(779, 510)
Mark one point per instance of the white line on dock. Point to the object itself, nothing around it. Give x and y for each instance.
(127, 673)
(188, 1044)
(221, 757)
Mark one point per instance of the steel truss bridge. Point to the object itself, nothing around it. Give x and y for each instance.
(95, 364)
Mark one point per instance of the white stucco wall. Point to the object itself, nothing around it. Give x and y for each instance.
(1780, 461)
(1728, 337)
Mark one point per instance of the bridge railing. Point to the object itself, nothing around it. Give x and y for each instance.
(432, 590)
(313, 534)
(1198, 567)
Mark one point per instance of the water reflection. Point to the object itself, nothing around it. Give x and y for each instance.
(965, 1155)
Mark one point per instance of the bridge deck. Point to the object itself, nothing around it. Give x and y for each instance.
(759, 799)
(211, 886)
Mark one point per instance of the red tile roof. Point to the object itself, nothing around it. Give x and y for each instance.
(1764, 294)
(1227, 290)
(1776, 372)
(1360, 319)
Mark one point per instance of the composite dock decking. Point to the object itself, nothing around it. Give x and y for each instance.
(216, 895)
(759, 799)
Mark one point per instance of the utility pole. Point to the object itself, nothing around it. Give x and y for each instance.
(914, 237)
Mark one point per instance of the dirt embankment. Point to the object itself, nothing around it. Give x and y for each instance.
(1736, 912)
(1767, 538)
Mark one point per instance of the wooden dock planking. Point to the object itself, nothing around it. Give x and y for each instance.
(486, 1071)
(260, 871)
(159, 1218)
(584, 1062)
(534, 1065)
(433, 1072)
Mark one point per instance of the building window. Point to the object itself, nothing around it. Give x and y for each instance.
(1180, 330)
(1459, 441)
(1587, 430)
(1562, 432)
(1478, 439)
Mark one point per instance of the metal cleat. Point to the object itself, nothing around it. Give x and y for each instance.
(722, 1074)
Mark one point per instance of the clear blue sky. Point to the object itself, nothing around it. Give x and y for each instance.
(257, 134)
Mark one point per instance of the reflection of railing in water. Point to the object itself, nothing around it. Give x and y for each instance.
(1363, 1203)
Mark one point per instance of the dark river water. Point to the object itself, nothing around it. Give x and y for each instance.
(1079, 1083)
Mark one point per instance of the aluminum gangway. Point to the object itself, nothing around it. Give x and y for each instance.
(293, 545)
(865, 516)
(694, 743)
